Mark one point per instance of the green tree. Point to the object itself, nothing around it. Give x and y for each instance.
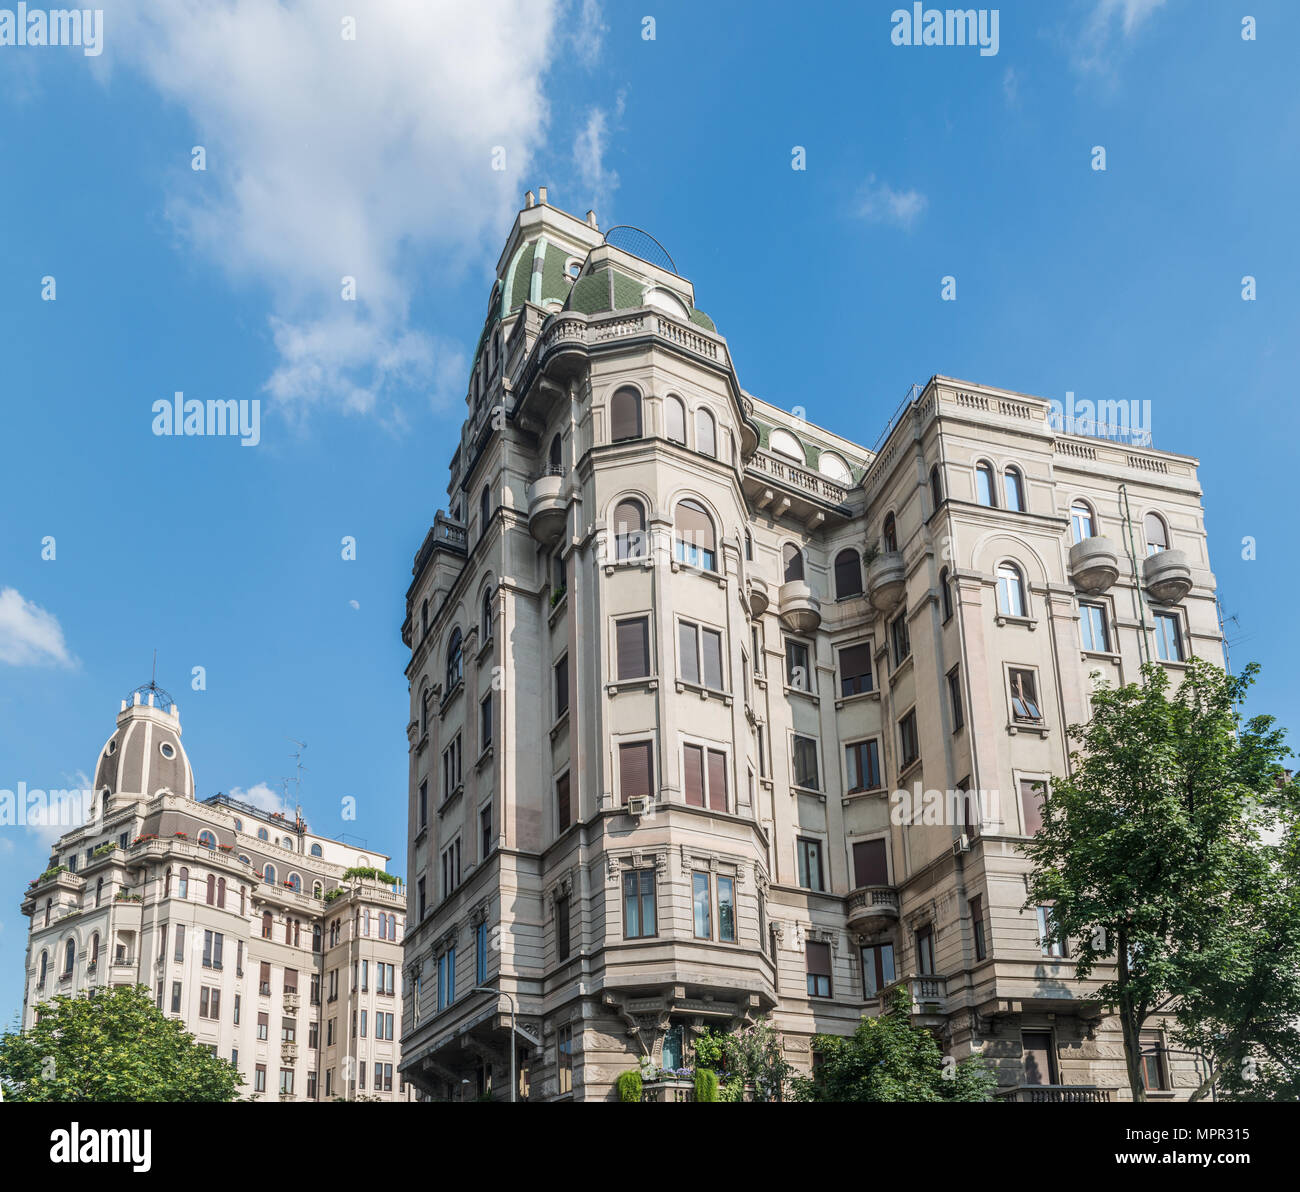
(1168, 855)
(889, 1059)
(111, 1045)
(749, 1059)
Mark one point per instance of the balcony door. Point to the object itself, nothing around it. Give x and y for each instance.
(1040, 1057)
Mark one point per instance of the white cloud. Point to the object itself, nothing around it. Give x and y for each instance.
(589, 32)
(878, 202)
(30, 636)
(598, 182)
(263, 797)
(1095, 48)
(1011, 86)
(330, 158)
(356, 604)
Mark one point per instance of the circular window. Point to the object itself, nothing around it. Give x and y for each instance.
(167, 750)
(112, 745)
(574, 268)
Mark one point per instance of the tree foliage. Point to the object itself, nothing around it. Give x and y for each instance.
(111, 1045)
(1169, 857)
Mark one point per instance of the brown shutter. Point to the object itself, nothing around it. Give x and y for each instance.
(636, 771)
(870, 866)
(693, 776)
(712, 643)
(819, 958)
(855, 661)
(625, 415)
(1031, 804)
(717, 780)
(290, 980)
(693, 525)
(633, 648)
(688, 650)
(562, 801)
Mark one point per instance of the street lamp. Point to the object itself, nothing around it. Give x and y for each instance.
(511, 1000)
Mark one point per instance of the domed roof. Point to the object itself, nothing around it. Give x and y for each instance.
(144, 756)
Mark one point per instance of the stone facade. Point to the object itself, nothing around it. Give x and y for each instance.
(676, 657)
(242, 923)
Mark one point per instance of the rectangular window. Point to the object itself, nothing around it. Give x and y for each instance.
(263, 1026)
(311, 1086)
(1169, 638)
(237, 1000)
(313, 1035)
(424, 803)
(711, 656)
(1039, 1059)
(805, 763)
(480, 953)
(862, 762)
(562, 927)
(485, 722)
(900, 639)
(421, 900)
(639, 904)
(977, 925)
(451, 768)
(909, 746)
(1094, 628)
(212, 941)
(1050, 942)
(635, 770)
(564, 1058)
(798, 674)
(561, 687)
(485, 830)
(446, 978)
(563, 816)
(259, 1078)
(632, 647)
(176, 997)
(870, 863)
(1024, 696)
(925, 951)
(1031, 804)
(180, 943)
(809, 854)
(819, 968)
(955, 701)
(726, 909)
(704, 777)
(1154, 1073)
(289, 1029)
(286, 1080)
(264, 980)
(702, 904)
(877, 968)
(855, 669)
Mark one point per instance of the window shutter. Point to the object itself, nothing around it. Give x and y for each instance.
(632, 646)
(636, 772)
(712, 659)
(717, 780)
(1031, 804)
(675, 420)
(819, 958)
(705, 436)
(693, 774)
(869, 863)
(693, 525)
(687, 648)
(855, 661)
(625, 415)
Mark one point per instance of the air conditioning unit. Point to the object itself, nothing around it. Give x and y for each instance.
(961, 845)
(638, 805)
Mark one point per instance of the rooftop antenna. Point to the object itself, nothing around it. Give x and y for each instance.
(299, 768)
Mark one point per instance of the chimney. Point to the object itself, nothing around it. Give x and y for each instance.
(591, 220)
(528, 199)
(541, 195)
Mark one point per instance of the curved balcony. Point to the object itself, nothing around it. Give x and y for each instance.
(1167, 575)
(801, 612)
(759, 600)
(872, 905)
(1094, 565)
(886, 580)
(547, 508)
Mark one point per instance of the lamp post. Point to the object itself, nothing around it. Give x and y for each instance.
(502, 993)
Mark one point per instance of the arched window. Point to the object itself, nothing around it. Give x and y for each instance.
(889, 535)
(425, 696)
(69, 955)
(286, 842)
(210, 895)
(424, 617)
(183, 883)
(675, 420)
(239, 825)
(1013, 487)
(99, 890)
(784, 443)
(555, 460)
(485, 627)
(294, 882)
(167, 883)
(207, 840)
(45, 968)
(625, 415)
(317, 889)
(365, 922)
(316, 935)
(693, 540)
(221, 893)
(1011, 590)
(1157, 538)
(945, 592)
(455, 662)
(749, 547)
(266, 925)
(791, 563)
(484, 510)
(833, 467)
(316, 850)
(94, 948)
(984, 484)
(268, 874)
(936, 486)
(629, 530)
(848, 574)
(262, 834)
(1081, 523)
(706, 433)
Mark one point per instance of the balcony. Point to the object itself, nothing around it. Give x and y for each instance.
(1167, 575)
(927, 995)
(759, 601)
(870, 905)
(291, 1002)
(783, 487)
(801, 612)
(289, 1052)
(1094, 565)
(1056, 1092)
(886, 580)
(660, 1091)
(547, 508)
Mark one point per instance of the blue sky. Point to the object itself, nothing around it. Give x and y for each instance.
(373, 159)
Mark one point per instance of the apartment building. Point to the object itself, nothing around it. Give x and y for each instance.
(718, 714)
(276, 947)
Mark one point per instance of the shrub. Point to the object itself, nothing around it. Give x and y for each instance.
(629, 1085)
(706, 1084)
